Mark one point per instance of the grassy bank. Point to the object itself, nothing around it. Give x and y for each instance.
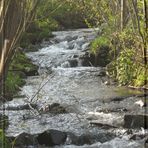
(20, 68)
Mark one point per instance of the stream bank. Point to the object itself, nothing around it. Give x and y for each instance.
(69, 104)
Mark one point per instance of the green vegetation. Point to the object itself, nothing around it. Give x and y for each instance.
(51, 16)
(3, 140)
(123, 27)
(13, 82)
(20, 67)
(98, 43)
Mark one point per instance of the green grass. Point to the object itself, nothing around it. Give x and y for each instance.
(18, 70)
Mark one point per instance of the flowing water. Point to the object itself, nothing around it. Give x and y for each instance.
(76, 87)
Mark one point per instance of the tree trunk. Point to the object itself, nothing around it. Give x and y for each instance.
(14, 18)
(124, 13)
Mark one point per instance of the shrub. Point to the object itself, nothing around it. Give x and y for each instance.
(98, 43)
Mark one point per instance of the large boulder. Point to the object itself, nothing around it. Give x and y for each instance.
(23, 140)
(89, 138)
(135, 121)
(102, 58)
(51, 138)
(73, 62)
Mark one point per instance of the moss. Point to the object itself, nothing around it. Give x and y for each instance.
(20, 67)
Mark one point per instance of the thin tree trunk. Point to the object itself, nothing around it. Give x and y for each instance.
(15, 16)
(145, 54)
(123, 14)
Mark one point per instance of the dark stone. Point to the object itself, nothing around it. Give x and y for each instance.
(31, 72)
(89, 138)
(102, 73)
(118, 98)
(51, 138)
(146, 142)
(85, 139)
(56, 108)
(85, 60)
(23, 140)
(54, 105)
(102, 58)
(22, 75)
(70, 38)
(75, 56)
(137, 137)
(21, 107)
(135, 121)
(73, 63)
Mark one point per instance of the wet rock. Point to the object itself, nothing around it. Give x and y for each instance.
(70, 38)
(108, 110)
(146, 142)
(137, 137)
(88, 138)
(32, 71)
(51, 138)
(80, 41)
(71, 139)
(23, 140)
(102, 73)
(135, 121)
(105, 119)
(75, 56)
(73, 62)
(85, 59)
(22, 75)
(119, 98)
(102, 58)
(53, 105)
(140, 103)
(54, 108)
(76, 46)
(21, 107)
(107, 83)
(65, 64)
(85, 46)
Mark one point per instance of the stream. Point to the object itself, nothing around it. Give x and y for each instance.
(69, 104)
